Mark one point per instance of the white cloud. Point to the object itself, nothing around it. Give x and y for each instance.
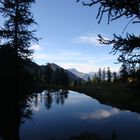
(88, 67)
(80, 62)
(100, 114)
(99, 59)
(62, 56)
(70, 54)
(89, 38)
(73, 59)
(36, 47)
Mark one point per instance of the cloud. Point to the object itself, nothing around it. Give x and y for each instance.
(36, 47)
(61, 56)
(88, 66)
(99, 59)
(89, 38)
(100, 114)
(70, 54)
(82, 67)
(75, 59)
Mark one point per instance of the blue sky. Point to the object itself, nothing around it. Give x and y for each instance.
(69, 35)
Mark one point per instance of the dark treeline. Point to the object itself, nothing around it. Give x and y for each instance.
(126, 44)
(15, 78)
(125, 75)
(48, 74)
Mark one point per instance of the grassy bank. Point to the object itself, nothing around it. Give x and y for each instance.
(118, 95)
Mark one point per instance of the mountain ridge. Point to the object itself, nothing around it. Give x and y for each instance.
(84, 76)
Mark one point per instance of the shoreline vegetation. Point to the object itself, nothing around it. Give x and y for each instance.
(119, 95)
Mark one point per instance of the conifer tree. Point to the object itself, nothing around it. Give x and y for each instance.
(109, 76)
(99, 75)
(114, 76)
(127, 45)
(16, 38)
(15, 32)
(104, 75)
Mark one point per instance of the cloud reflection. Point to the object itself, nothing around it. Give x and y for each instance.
(100, 114)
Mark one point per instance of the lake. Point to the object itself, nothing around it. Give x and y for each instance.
(61, 115)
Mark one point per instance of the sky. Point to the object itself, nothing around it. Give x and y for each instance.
(68, 32)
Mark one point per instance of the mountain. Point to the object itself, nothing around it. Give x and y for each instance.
(71, 75)
(81, 75)
(52, 74)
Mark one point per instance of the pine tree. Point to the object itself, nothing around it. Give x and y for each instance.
(16, 39)
(124, 73)
(127, 45)
(109, 76)
(104, 75)
(15, 33)
(48, 74)
(114, 76)
(99, 75)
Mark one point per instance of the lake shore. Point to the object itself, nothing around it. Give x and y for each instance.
(118, 95)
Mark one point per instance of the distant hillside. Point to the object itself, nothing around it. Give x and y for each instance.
(71, 75)
(39, 73)
(81, 75)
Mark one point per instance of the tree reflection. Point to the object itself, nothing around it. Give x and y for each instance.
(54, 96)
(48, 99)
(14, 109)
(60, 96)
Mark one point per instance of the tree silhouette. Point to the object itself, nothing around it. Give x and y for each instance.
(99, 75)
(127, 46)
(124, 73)
(116, 9)
(114, 76)
(104, 75)
(64, 78)
(48, 74)
(15, 32)
(109, 76)
(16, 39)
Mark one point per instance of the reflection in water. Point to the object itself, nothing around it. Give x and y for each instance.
(48, 100)
(14, 110)
(100, 114)
(48, 97)
(62, 115)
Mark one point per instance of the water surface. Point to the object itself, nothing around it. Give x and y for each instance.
(62, 115)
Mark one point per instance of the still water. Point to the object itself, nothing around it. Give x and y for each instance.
(59, 116)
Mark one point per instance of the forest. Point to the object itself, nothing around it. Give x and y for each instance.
(20, 76)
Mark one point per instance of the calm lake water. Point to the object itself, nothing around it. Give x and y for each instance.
(62, 115)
